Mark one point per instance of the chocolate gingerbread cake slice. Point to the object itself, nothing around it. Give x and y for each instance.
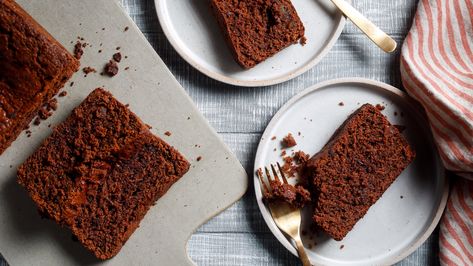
(257, 29)
(355, 168)
(33, 67)
(99, 173)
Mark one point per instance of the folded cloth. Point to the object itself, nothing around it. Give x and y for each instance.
(437, 71)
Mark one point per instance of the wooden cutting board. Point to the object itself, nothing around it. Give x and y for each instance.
(212, 184)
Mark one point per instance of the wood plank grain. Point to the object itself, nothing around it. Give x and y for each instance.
(247, 249)
(245, 110)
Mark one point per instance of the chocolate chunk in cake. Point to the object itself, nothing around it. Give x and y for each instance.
(257, 29)
(355, 168)
(33, 67)
(99, 173)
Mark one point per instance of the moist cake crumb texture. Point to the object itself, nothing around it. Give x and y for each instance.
(99, 173)
(354, 169)
(34, 66)
(257, 29)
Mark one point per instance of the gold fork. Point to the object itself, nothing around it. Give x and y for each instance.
(286, 217)
(379, 37)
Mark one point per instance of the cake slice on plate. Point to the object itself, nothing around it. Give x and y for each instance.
(257, 29)
(355, 168)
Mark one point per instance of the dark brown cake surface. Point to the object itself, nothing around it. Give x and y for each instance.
(99, 173)
(257, 29)
(355, 168)
(34, 66)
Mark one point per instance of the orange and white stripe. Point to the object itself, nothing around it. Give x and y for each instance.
(437, 70)
(456, 226)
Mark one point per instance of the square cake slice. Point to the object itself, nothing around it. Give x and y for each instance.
(355, 168)
(99, 173)
(257, 29)
(34, 66)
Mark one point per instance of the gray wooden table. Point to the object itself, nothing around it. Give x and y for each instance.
(239, 236)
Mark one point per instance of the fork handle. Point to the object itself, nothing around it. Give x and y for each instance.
(301, 250)
(378, 36)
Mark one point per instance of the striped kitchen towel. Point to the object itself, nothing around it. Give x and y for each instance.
(437, 71)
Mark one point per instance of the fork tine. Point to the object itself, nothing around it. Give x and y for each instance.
(268, 175)
(282, 173)
(275, 173)
(261, 179)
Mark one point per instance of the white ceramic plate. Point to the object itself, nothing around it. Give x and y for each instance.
(408, 211)
(193, 31)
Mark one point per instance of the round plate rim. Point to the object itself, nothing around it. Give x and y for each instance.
(247, 83)
(379, 85)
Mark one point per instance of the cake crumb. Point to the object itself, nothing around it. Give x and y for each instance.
(288, 141)
(117, 57)
(273, 138)
(71, 84)
(78, 50)
(301, 157)
(118, 48)
(402, 197)
(395, 113)
(341, 104)
(52, 105)
(126, 68)
(111, 68)
(37, 121)
(303, 41)
(87, 70)
(62, 93)
(126, 28)
(199, 158)
(342, 246)
(283, 153)
(167, 133)
(380, 107)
